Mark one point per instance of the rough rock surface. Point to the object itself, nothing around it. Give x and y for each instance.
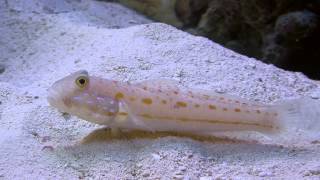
(38, 142)
(161, 10)
(281, 32)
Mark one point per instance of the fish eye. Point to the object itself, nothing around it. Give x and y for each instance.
(82, 81)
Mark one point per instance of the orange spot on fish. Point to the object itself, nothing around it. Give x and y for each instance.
(147, 101)
(237, 110)
(119, 95)
(183, 119)
(123, 114)
(110, 114)
(212, 106)
(181, 104)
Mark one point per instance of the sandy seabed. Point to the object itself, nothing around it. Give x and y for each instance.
(42, 41)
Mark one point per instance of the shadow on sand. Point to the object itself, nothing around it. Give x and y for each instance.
(106, 134)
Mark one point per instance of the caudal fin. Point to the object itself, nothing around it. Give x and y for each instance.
(299, 118)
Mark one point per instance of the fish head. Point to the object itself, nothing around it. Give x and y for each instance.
(78, 94)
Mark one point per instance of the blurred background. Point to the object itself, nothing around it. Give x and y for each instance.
(281, 32)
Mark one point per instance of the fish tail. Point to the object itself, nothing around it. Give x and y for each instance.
(298, 117)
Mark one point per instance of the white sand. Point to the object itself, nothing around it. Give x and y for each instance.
(42, 42)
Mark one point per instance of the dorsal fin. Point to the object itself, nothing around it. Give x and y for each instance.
(209, 94)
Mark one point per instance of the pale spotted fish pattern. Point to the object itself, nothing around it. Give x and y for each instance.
(162, 105)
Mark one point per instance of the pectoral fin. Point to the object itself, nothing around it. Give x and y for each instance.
(131, 118)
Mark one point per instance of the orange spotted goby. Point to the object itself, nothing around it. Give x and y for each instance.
(161, 105)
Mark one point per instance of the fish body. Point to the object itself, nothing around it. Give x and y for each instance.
(159, 105)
